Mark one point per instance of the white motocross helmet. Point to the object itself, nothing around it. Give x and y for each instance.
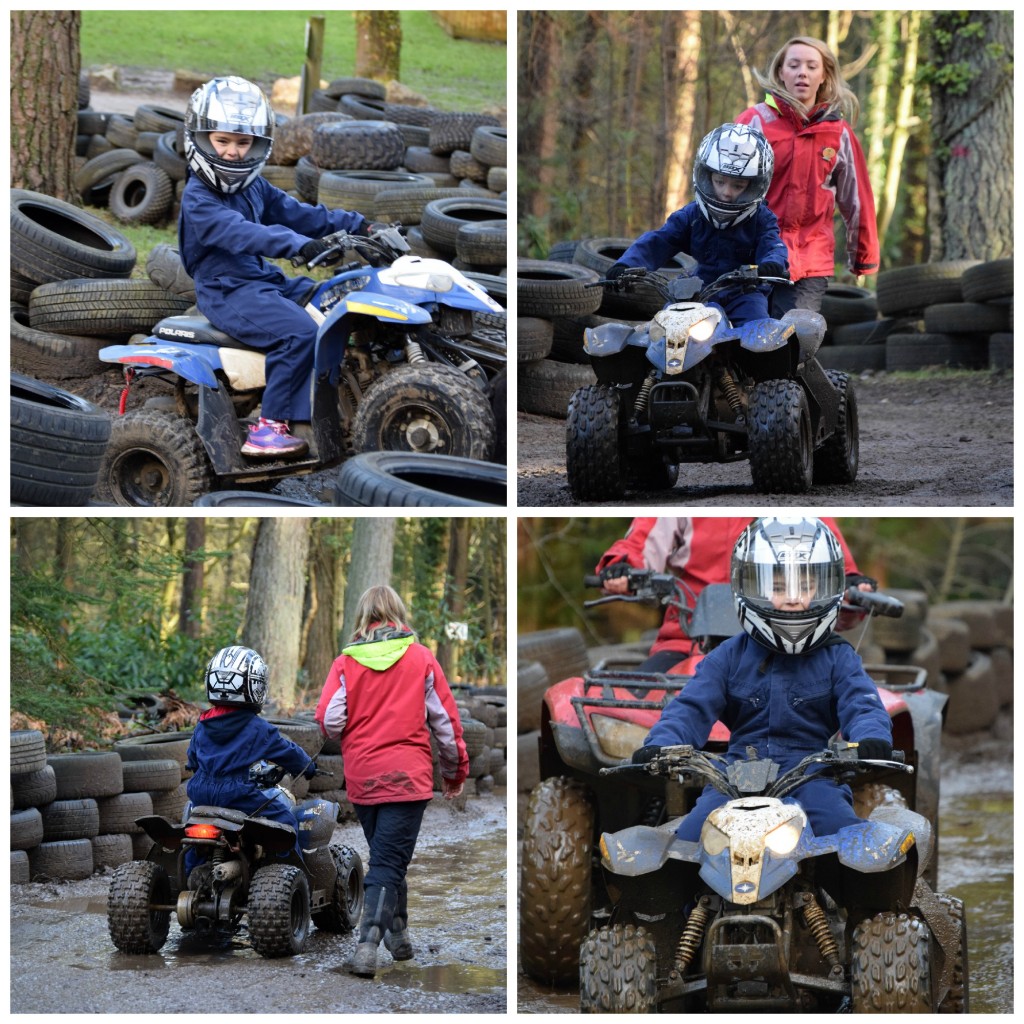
(228, 105)
(739, 151)
(788, 581)
(237, 677)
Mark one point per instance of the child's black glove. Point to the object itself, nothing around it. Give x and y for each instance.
(874, 750)
(310, 770)
(616, 270)
(614, 570)
(314, 248)
(645, 754)
(771, 270)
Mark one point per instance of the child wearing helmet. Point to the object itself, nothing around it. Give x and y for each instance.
(787, 683)
(231, 736)
(727, 225)
(231, 218)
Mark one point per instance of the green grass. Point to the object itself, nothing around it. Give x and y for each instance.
(453, 74)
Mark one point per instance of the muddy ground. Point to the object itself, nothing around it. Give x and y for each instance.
(943, 440)
(62, 959)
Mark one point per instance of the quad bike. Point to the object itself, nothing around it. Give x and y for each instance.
(761, 915)
(247, 867)
(596, 721)
(396, 369)
(689, 387)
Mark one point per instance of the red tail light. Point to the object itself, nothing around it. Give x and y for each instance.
(202, 831)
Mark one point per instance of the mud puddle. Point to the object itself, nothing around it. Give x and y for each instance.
(62, 959)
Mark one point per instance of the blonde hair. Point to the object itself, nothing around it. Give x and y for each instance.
(833, 90)
(378, 605)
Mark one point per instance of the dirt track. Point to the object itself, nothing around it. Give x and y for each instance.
(944, 440)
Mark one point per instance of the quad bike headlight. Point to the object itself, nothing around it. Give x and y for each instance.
(783, 838)
(703, 329)
(713, 839)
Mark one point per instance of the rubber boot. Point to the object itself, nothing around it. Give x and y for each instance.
(396, 938)
(378, 911)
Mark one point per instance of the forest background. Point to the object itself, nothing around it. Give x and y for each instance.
(106, 610)
(613, 103)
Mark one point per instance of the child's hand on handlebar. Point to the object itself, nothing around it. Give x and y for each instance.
(315, 248)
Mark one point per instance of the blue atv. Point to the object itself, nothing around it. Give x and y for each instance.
(399, 366)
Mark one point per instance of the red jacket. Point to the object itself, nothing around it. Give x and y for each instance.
(383, 699)
(697, 549)
(818, 165)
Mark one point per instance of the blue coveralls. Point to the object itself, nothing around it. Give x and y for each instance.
(223, 239)
(717, 251)
(225, 743)
(786, 706)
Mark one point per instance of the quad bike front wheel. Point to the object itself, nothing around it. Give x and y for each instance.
(837, 460)
(617, 971)
(595, 455)
(779, 437)
(138, 914)
(153, 459)
(890, 969)
(279, 910)
(957, 998)
(425, 407)
(555, 888)
(343, 912)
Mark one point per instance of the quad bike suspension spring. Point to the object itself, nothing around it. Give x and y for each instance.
(641, 399)
(817, 924)
(731, 392)
(693, 935)
(414, 353)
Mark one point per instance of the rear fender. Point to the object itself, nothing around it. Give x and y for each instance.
(196, 363)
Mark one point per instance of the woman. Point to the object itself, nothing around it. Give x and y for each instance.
(383, 699)
(808, 117)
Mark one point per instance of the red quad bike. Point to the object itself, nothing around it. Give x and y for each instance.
(247, 867)
(597, 721)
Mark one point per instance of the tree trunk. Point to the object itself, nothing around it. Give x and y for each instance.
(44, 101)
(972, 115)
(321, 646)
(373, 545)
(190, 619)
(273, 612)
(378, 45)
(455, 593)
(538, 113)
(683, 144)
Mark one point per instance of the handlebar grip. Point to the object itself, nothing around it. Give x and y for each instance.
(880, 604)
(899, 756)
(592, 581)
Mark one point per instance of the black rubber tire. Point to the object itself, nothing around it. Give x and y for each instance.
(988, 281)
(278, 907)
(889, 968)
(406, 205)
(61, 859)
(136, 886)
(342, 916)
(911, 289)
(152, 118)
(498, 390)
(957, 999)
(21, 873)
(118, 814)
(110, 850)
(362, 107)
(779, 438)
(836, 461)
(550, 289)
(546, 387)
(358, 190)
(142, 194)
(497, 180)
(57, 444)
(121, 131)
(483, 244)
(618, 967)
(424, 407)
(70, 819)
(105, 167)
(1000, 351)
(303, 732)
(157, 746)
(366, 145)
(58, 356)
(339, 87)
(34, 789)
(466, 167)
(489, 145)
(247, 499)
(168, 159)
(442, 218)
(417, 480)
(52, 241)
(852, 358)
(847, 304)
(555, 884)
(966, 318)
(307, 179)
(866, 332)
(561, 650)
(449, 132)
(293, 140)
(595, 455)
(26, 828)
(153, 460)
(160, 773)
(531, 684)
(89, 773)
(534, 337)
(28, 751)
(916, 351)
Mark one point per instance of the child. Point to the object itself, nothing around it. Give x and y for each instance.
(231, 736)
(786, 684)
(727, 226)
(230, 219)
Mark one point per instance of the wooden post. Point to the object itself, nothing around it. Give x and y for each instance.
(311, 65)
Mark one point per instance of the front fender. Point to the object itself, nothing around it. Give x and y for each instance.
(196, 363)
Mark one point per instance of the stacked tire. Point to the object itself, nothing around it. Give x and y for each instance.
(956, 313)
(483, 713)
(74, 814)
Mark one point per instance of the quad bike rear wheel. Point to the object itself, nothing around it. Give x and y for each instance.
(617, 971)
(890, 970)
(595, 454)
(425, 407)
(153, 459)
(344, 910)
(957, 999)
(837, 460)
(279, 910)
(779, 437)
(555, 890)
(137, 922)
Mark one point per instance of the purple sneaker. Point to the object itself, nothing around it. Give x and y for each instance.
(271, 440)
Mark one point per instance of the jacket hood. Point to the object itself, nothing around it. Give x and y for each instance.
(815, 114)
(385, 645)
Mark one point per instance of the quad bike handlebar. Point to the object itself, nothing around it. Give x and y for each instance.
(679, 288)
(380, 248)
(268, 774)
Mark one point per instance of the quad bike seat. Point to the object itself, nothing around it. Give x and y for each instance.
(243, 366)
(196, 330)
